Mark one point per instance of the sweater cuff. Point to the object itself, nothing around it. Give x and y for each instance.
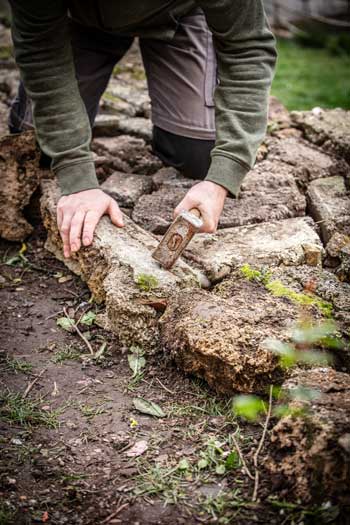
(227, 172)
(77, 177)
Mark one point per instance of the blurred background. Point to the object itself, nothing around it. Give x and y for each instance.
(313, 38)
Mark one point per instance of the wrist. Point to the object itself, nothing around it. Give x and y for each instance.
(217, 188)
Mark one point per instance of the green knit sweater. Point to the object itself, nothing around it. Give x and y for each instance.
(246, 55)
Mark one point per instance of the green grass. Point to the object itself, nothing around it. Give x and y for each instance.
(307, 77)
(20, 411)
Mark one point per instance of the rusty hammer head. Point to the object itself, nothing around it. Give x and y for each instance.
(179, 234)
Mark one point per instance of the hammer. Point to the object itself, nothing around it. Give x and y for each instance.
(177, 237)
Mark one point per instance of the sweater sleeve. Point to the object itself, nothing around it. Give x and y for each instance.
(44, 57)
(246, 56)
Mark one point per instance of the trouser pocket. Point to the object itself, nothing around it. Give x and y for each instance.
(210, 80)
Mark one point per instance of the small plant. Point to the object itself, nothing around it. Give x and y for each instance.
(255, 275)
(18, 410)
(90, 411)
(18, 365)
(66, 354)
(147, 282)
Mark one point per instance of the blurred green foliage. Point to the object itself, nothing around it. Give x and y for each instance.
(309, 76)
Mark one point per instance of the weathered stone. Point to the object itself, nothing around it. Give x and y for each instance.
(125, 97)
(327, 128)
(166, 176)
(132, 152)
(329, 203)
(270, 243)
(308, 161)
(9, 83)
(221, 340)
(112, 125)
(20, 176)
(126, 189)
(269, 192)
(309, 455)
(120, 270)
(278, 113)
(4, 110)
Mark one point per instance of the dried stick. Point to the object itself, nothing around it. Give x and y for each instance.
(261, 443)
(82, 336)
(30, 386)
(165, 388)
(241, 457)
(114, 514)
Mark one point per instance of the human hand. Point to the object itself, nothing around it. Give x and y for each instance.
(209, 198)
(78, 215)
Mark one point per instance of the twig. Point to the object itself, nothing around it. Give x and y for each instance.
(53, 315)
(165, 388)
(241, 457)
(30, 386)
(82, 336)
(114, 514)
(261, 443)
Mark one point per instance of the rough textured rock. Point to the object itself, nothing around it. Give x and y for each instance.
(308, 161)
(221, 340)
(310, 455)
(327, 128)
(20, 176)
(278, 113)
(268, 193)
(132, 99)
(285, 242)
(4, 110)
(126, 189)
(166, 176)
(329, 203)
(112, 125)
(113, 267)
(128, 154)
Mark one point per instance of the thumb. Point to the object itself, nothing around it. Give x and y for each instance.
(115, 214)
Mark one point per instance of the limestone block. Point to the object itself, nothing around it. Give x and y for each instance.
(221, 340)
(327, 128)
(329, 203)
(309, 456)
(271, 243)
(119, 269)
(131, 153)
(20, 176)
(113, 125)
(126, 188)
(308, 161)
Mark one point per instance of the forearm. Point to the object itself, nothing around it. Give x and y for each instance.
(246, 57)
(44, 56)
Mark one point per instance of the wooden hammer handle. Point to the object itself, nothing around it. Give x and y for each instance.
(196, 212)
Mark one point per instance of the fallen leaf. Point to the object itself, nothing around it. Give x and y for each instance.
(136, 360)
(138, 449)
(148, 407)
(66, 323)
(65, 278)
(88, 319)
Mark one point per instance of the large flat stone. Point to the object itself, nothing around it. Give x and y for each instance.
(309, 456)
(131, 153)
(126, 188)
(327, 128)
(113, 125)
(329, 203)
(308, 161)
(130, 98)
(269, 192)
(288, 242)
(112, 267)
(20, 175)
(221, 340)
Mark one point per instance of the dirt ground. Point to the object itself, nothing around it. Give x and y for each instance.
(66, 448)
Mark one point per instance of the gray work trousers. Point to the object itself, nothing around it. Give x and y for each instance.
(181, 78)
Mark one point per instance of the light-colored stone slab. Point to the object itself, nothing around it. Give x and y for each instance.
(327, 128)
(308, 161)
(126, 188)
(112, 267)
(287, 242)
(309, 456)
(329, 203)
(112, 125)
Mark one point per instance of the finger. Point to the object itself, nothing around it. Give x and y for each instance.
(115, 214)
(59, 217)
(64, 231)
(186, 204)
(75, 230)
(210, 224)
(90, 223)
